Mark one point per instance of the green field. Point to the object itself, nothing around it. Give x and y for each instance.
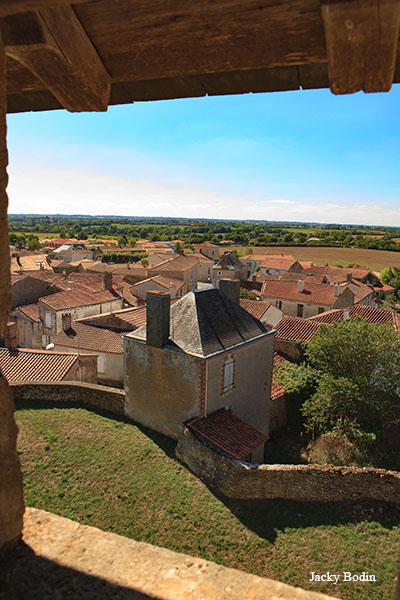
(120, 477)
(376, 260)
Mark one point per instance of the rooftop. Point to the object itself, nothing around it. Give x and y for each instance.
(206, 322)
(255, 307)
(35, 365)
(75, 298)
(293, 329)
(86, 337)
(30, 310)
(369, 313)
(228, 433)
(315, 293)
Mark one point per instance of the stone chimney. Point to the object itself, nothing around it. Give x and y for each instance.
(108, 280)
(224, 260)
(230, 288)
(349, 277)
(66, 321)
(337, 288)
(157, 315)
(10, 335)
(172, 289)
(300, 286)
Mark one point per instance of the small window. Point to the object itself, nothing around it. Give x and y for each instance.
(279, 304)
(320, 309)
(228, 375)
(300, 310)
(47, 319)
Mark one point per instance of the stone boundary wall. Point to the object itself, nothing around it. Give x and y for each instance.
(306, 483)
(89, 395)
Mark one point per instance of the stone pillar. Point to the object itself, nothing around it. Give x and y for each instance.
(230, 288)
(11, 492)
(157, 318)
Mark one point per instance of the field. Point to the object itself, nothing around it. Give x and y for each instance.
(120, 477)
(376, 260)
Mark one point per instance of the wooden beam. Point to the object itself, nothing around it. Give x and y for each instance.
(13, 7)
(55, 48)
(361, 39)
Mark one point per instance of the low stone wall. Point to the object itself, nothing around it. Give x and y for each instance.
(308, 483)
(89, 395)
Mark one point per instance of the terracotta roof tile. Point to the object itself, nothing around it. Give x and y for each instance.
(277, 263)
(369, 313)
(293, 329)
(180, 263)
(228, 433)
(315, 293)
(30, 310)
(75, 298)
(87, 337)
(255, 307)
(35, 365)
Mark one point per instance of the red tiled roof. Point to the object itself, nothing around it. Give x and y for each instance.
(180, 263)
(255, 307)
(277, 390)
(293, 329)
(228, 433)
(359, 290)
(87, 337)
(161, 280)
(75, 298)
(369, 313)
(30, 310)
(35, 365)
(277, 263)
(315, 293)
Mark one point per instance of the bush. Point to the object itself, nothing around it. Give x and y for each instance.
(333, 449)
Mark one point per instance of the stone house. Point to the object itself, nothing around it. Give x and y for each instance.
(26, 289)
(279, 264)
(72, 253)
(304, 298)
(208, 249)
(73, 305)
(182, 267)
(229, 267)
(158, 283)
(29, 327)
(107, 346)
(202, 354)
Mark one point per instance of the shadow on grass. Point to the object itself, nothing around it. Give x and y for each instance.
(26, 576)
(167, 445)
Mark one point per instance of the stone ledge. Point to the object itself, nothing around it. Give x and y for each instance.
(130, 570)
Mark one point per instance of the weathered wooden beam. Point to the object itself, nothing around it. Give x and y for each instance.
(13, 7)
(54, 46)
(361, 39)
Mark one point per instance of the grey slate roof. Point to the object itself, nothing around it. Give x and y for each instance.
(205, 322)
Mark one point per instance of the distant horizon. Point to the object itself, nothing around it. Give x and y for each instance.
(159, 217)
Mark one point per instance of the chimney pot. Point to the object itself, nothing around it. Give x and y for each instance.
(157, 318)
(337, 288)
(66, 321)
(300, 286)
(230, 288)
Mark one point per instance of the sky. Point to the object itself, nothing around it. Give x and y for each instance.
(292, 156)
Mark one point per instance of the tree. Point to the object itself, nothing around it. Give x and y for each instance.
(33, 242)
(355, 369)
(391, 276)
(177, 247)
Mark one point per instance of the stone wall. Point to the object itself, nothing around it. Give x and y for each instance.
(88, 395)
(308, 483)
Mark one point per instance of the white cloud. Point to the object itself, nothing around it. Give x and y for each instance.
(85, 191)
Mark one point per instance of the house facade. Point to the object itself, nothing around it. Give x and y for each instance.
(203, 354)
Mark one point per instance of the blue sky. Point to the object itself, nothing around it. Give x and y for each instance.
(295, 156)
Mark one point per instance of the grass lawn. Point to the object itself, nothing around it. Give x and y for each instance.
(112, 474)
(376, 260)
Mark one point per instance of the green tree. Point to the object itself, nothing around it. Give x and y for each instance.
(391, 276)
(33, 242)
(354, 367)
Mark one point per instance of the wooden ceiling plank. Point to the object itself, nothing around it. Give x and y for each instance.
(361, 38)
(64, 60)
(13, 7)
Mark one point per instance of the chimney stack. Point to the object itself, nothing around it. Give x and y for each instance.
(172, 289)
(300, 285)
(108, 280)
(10, 335)
(224, 260)
(337, 288)
(157, 315)
(230, 288)
(349, 277)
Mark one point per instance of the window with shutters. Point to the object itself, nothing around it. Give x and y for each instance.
(228, 375)
(47, 319)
